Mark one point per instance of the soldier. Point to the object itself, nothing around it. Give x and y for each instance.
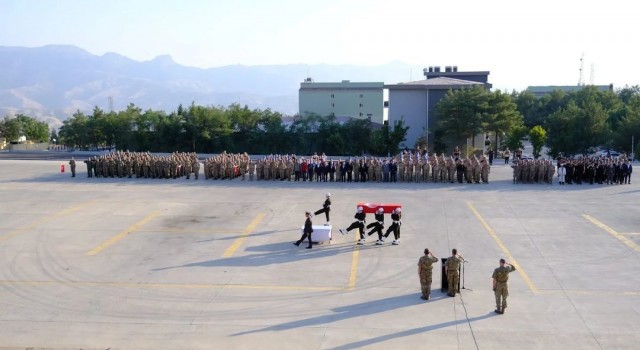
(252, 169)
(306, 231)
(195, 166)
(484, 170)
(88, 163)
(72, 165)
(359, 224)
(500, 277)
(425, 272)
(326, 208)
(453, 272)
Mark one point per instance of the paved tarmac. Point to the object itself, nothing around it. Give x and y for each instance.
(183, 264)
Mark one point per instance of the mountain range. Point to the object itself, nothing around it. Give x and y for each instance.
(53, 82)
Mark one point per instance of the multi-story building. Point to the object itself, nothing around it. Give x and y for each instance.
(415, 102)
(362, 100)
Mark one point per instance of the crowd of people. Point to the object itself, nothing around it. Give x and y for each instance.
(142, 165)
(588, 170)
(405, 167)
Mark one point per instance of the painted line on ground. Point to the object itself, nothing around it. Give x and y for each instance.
(631, 244)
(47, 219)
(591, 292)
(355, 257)
(182, 230)
(510, 257)
(111, 241)
(238, 242)
(167, 285)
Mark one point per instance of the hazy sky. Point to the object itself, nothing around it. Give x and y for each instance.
(521, 42)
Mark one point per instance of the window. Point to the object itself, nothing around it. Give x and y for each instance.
(361, 95)
(361, 105)
(361, 114)
(333, 96)
(333, 105)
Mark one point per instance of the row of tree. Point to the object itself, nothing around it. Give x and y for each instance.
(13, 129)
(234, 129)
(568, 123)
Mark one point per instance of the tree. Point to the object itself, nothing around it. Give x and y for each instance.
(529, 107)
(515, 136)
(502, 115)
(74, 131)
(538, 137)
(463, 113)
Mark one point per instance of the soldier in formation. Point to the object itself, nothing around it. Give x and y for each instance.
(144, 165)
(533, 171)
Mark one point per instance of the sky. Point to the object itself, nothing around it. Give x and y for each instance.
(521, 42)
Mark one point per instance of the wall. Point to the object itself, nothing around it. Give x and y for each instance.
(412, 105)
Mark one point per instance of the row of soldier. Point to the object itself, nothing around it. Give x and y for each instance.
(143, 165)
(403, 168)
(529, 171)
(588, 170)
(598, 170)
(357, 169)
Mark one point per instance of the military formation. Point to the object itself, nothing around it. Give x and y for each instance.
(406, 167)
(143, 165)
(533, 171)
(598, 170)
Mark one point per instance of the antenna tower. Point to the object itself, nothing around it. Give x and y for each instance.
(581, 79)
(110, 104)
(592, 74)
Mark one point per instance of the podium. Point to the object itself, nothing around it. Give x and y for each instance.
(371, 208)
(321, 234)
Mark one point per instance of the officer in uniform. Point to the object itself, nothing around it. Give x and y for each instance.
(88, 163)
(500, 278)
(453, 272)
(425, 272)
(306, 231)
(72, 165)
(326, 208)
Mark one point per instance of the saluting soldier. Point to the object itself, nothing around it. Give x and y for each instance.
(425, 272)
(500, 277)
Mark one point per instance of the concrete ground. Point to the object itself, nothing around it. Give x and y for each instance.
(176, 264)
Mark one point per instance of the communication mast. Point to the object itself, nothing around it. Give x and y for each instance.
(581, 79)
(110, 104)
(592, 74)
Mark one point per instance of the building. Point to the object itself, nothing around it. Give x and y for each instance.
(345, 99)
(415, 102)
(540, 91)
